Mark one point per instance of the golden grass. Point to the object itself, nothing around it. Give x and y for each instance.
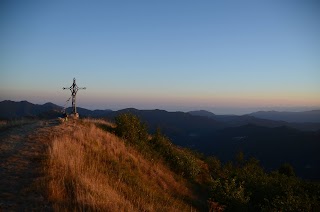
(90, 169)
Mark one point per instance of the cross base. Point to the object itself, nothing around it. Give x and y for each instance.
(74, 115)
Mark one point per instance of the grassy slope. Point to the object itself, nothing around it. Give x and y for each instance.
(81, 167)
(89, 168)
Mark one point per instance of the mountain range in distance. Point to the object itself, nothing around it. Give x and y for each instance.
(307, 121)
(11, 109)
(312, 116)
(273, 142)
(24, 109)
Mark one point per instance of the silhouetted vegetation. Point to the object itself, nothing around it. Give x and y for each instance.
(287, 169)
(130, 127)
(242, 185)
(246, 186)
(181, 161)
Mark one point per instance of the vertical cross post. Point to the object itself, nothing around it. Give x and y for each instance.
(74, 89)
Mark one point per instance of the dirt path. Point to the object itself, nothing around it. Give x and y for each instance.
(21, 156)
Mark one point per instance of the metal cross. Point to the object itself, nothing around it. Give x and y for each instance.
(74, 89)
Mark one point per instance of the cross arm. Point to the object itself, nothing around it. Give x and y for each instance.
(64, 88)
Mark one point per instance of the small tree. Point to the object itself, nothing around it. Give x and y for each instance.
(131, 128)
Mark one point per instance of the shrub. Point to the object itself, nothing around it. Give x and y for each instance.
(246, 186)
(129, 127)
(231, 193)
(287, 170)
(214, 165)
(182, 161)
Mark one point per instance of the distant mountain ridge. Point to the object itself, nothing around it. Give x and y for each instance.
(204, 113)
(312, 116)
(11, 110)
(15, 110)
(89, 113)
(240, 120)
(306, 116)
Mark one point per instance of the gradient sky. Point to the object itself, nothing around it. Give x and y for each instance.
(225, 56)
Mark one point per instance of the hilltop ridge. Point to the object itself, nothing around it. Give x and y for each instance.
(94, 165)
(212, 134)
(88, 168)
(106, 174)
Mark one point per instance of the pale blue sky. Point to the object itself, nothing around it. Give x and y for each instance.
(174, 55)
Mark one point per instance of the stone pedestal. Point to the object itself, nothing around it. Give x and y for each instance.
(74, 115)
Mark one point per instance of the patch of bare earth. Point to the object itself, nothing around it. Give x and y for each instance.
(21, 157)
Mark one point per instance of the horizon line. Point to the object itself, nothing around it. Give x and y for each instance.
(208, 109)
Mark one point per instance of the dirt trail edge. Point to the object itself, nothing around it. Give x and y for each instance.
(21, 157)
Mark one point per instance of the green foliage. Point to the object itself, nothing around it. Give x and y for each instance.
(246, 186)
(130, 127)
(230, 192)
(214, 165)
(239, 186)
(181, 161)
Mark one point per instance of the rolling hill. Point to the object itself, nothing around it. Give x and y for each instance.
(272, 142)
(93, 165)
(79, 166)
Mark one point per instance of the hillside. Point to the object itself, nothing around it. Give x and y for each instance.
(102, 172)
(87, 168)
(272, 142)
(272, 146)
(93, 165)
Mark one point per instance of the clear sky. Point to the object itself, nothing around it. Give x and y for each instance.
(225, 56)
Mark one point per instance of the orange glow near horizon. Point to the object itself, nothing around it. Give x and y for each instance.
(265, 100)
(167, 100)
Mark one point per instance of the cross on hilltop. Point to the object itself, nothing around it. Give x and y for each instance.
(74, 89)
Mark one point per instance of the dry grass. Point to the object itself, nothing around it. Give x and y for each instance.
(90, 169)
(4, 124)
